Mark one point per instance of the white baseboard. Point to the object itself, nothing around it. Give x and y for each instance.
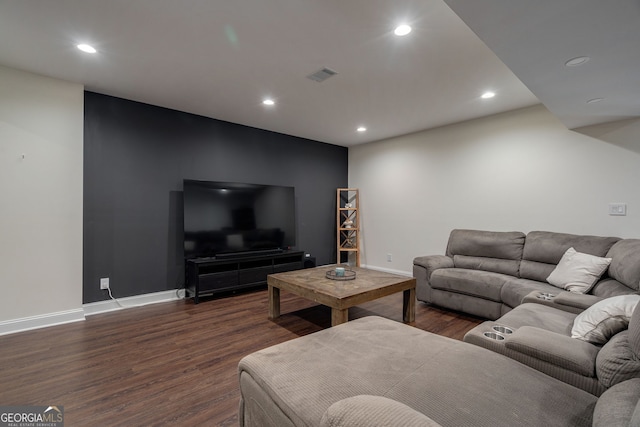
(75, 315)
(131, 302)
(41, 321)
(388, 270)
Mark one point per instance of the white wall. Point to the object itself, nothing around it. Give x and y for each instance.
(40, 197)
(521, 170)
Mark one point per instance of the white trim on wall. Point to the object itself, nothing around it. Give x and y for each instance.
(388, 270)
(41, 321)
(132, 302)
(52, 319)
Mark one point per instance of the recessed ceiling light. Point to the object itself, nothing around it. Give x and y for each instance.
(402, 30)
(268, 102)
(594, 100)
(362, 129)
(87, 48)
(488, 95)
(576, 61)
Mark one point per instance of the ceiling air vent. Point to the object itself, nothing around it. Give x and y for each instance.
(322, 75)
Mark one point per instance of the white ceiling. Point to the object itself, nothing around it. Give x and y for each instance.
(221, 58)
(536, 38)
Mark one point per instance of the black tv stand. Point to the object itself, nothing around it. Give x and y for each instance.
(248, 254)
(208, 276)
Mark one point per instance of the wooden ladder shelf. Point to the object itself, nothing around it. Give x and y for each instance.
(348, 226)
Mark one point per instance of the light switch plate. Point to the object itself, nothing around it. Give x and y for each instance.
(617, 209)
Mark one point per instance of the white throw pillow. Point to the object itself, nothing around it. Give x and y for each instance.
(604, 319)
(578, 272)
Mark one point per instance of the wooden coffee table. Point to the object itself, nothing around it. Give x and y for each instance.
(340, 295)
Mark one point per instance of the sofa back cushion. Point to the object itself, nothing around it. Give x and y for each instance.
(608, 287)
(634, 332)
(625, 263)
(544, 249)
(496, 251)
(619, 359)
(615, 361)
(619, 406)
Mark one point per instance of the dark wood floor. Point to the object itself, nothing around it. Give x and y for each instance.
(171, 363)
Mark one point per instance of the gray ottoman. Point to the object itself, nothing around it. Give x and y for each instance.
(451, 382)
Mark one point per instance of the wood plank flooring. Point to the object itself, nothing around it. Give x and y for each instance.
(172, 363)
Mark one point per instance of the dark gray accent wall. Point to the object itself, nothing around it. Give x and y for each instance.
(135, 158)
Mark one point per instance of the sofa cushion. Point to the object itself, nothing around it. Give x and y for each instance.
(616, 362)
(608, 287)
(498, 252)
(494, 265)
(514, 290)
(619, 406)
(625, 266)
(604, 319)
(490, 244)
(483, 284)
(471, 304)
(543, 250)
(535, 270)
(373, 411)
(577, 271)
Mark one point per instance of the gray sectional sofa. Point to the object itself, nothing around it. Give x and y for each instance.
(376, 372)
(521, 369)
(487, 273)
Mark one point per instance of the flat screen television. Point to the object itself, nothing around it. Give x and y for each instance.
(231, 218)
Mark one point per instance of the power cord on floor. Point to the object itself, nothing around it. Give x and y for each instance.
(141, 305)
(119, 303)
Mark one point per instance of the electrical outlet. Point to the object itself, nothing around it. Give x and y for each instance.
(104, 283)
(389, 258)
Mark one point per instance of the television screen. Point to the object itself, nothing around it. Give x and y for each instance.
(227, 218)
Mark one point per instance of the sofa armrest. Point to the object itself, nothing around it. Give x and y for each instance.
(373, 411)
(563, 300)
(561, 350)
(574, 300)
(433, 262)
